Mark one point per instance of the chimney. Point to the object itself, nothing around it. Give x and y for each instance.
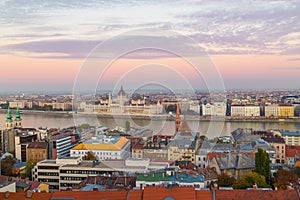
(215, 186)
(29, 194)
(6, 194)
(255, 186)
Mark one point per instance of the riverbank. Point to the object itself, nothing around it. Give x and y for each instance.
(161, 117)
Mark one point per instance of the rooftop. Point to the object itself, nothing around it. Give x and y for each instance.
(38, 145)
(177, 177)
(289, 132)
(107, 143)
(236, 161)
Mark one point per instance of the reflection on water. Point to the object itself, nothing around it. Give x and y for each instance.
(159, 126)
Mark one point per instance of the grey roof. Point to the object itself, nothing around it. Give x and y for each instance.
(244, 135)
(92, 187)
(183, 144)
(236, 161)
(260, 143)
(289, 132)
(214, 147)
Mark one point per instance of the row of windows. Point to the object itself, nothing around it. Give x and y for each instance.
(48, 180)
(199, 159)
(68, 185)
(72, 178)
(47, 167)
(47, 174)
(96, 153)
(79, 172)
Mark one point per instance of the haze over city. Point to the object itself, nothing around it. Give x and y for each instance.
(252, 44)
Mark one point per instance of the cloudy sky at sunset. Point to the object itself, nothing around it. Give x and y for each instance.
(44, 44)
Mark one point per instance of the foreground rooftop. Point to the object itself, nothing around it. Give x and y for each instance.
(179, 193)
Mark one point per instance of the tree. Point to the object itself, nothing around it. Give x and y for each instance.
(127, 125)
(29, 166)
(84, 126)
(225, 181)
(284, 178)
(7, 166)
(89, 156)
(262, 164)
(251, 179)
(297, 171)
(203, 138)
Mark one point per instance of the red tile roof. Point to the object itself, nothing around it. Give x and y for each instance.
(182, 193)
(87, 195)
(256, 194)
(22, 195)
(38, 145)
(212, 155)
(135, 195)
(153, 193)
(292, 152)
(204, 195)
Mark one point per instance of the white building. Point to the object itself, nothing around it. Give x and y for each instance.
(214, 109)
(237, 110)
(271, 110)
(104, 147)
(61, 174)
(252, 111)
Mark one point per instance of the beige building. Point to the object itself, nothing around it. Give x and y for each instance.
(184, 147)
(20, 104)
(62, 106)
(286, 111)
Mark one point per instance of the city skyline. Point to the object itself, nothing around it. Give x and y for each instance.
(254, 45)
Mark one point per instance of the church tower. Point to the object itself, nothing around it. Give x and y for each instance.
(9, 120)
(18, 119)
(177, 119)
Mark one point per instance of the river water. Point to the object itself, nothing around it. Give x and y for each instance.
(211, 129)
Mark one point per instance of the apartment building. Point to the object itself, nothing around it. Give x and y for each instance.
(290, 137)
(286, 111)
(271, 110)
(104, 147)
(62, 174)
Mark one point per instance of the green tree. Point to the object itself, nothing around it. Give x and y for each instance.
(7, 166)
(251, 179)
(29, 166)
(89, 156)
(284, 178)
(262, 165)
(203, 138)
(297, 171)
(127, 125)
(225, 181)
(84, 126)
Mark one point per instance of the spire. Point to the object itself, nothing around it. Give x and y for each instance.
(121, 92)
(18, 115)
(8, 116)
(177, 120)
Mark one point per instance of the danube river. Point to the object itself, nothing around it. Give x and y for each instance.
(211, 129)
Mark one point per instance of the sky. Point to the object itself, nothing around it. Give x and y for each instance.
(49, 45)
